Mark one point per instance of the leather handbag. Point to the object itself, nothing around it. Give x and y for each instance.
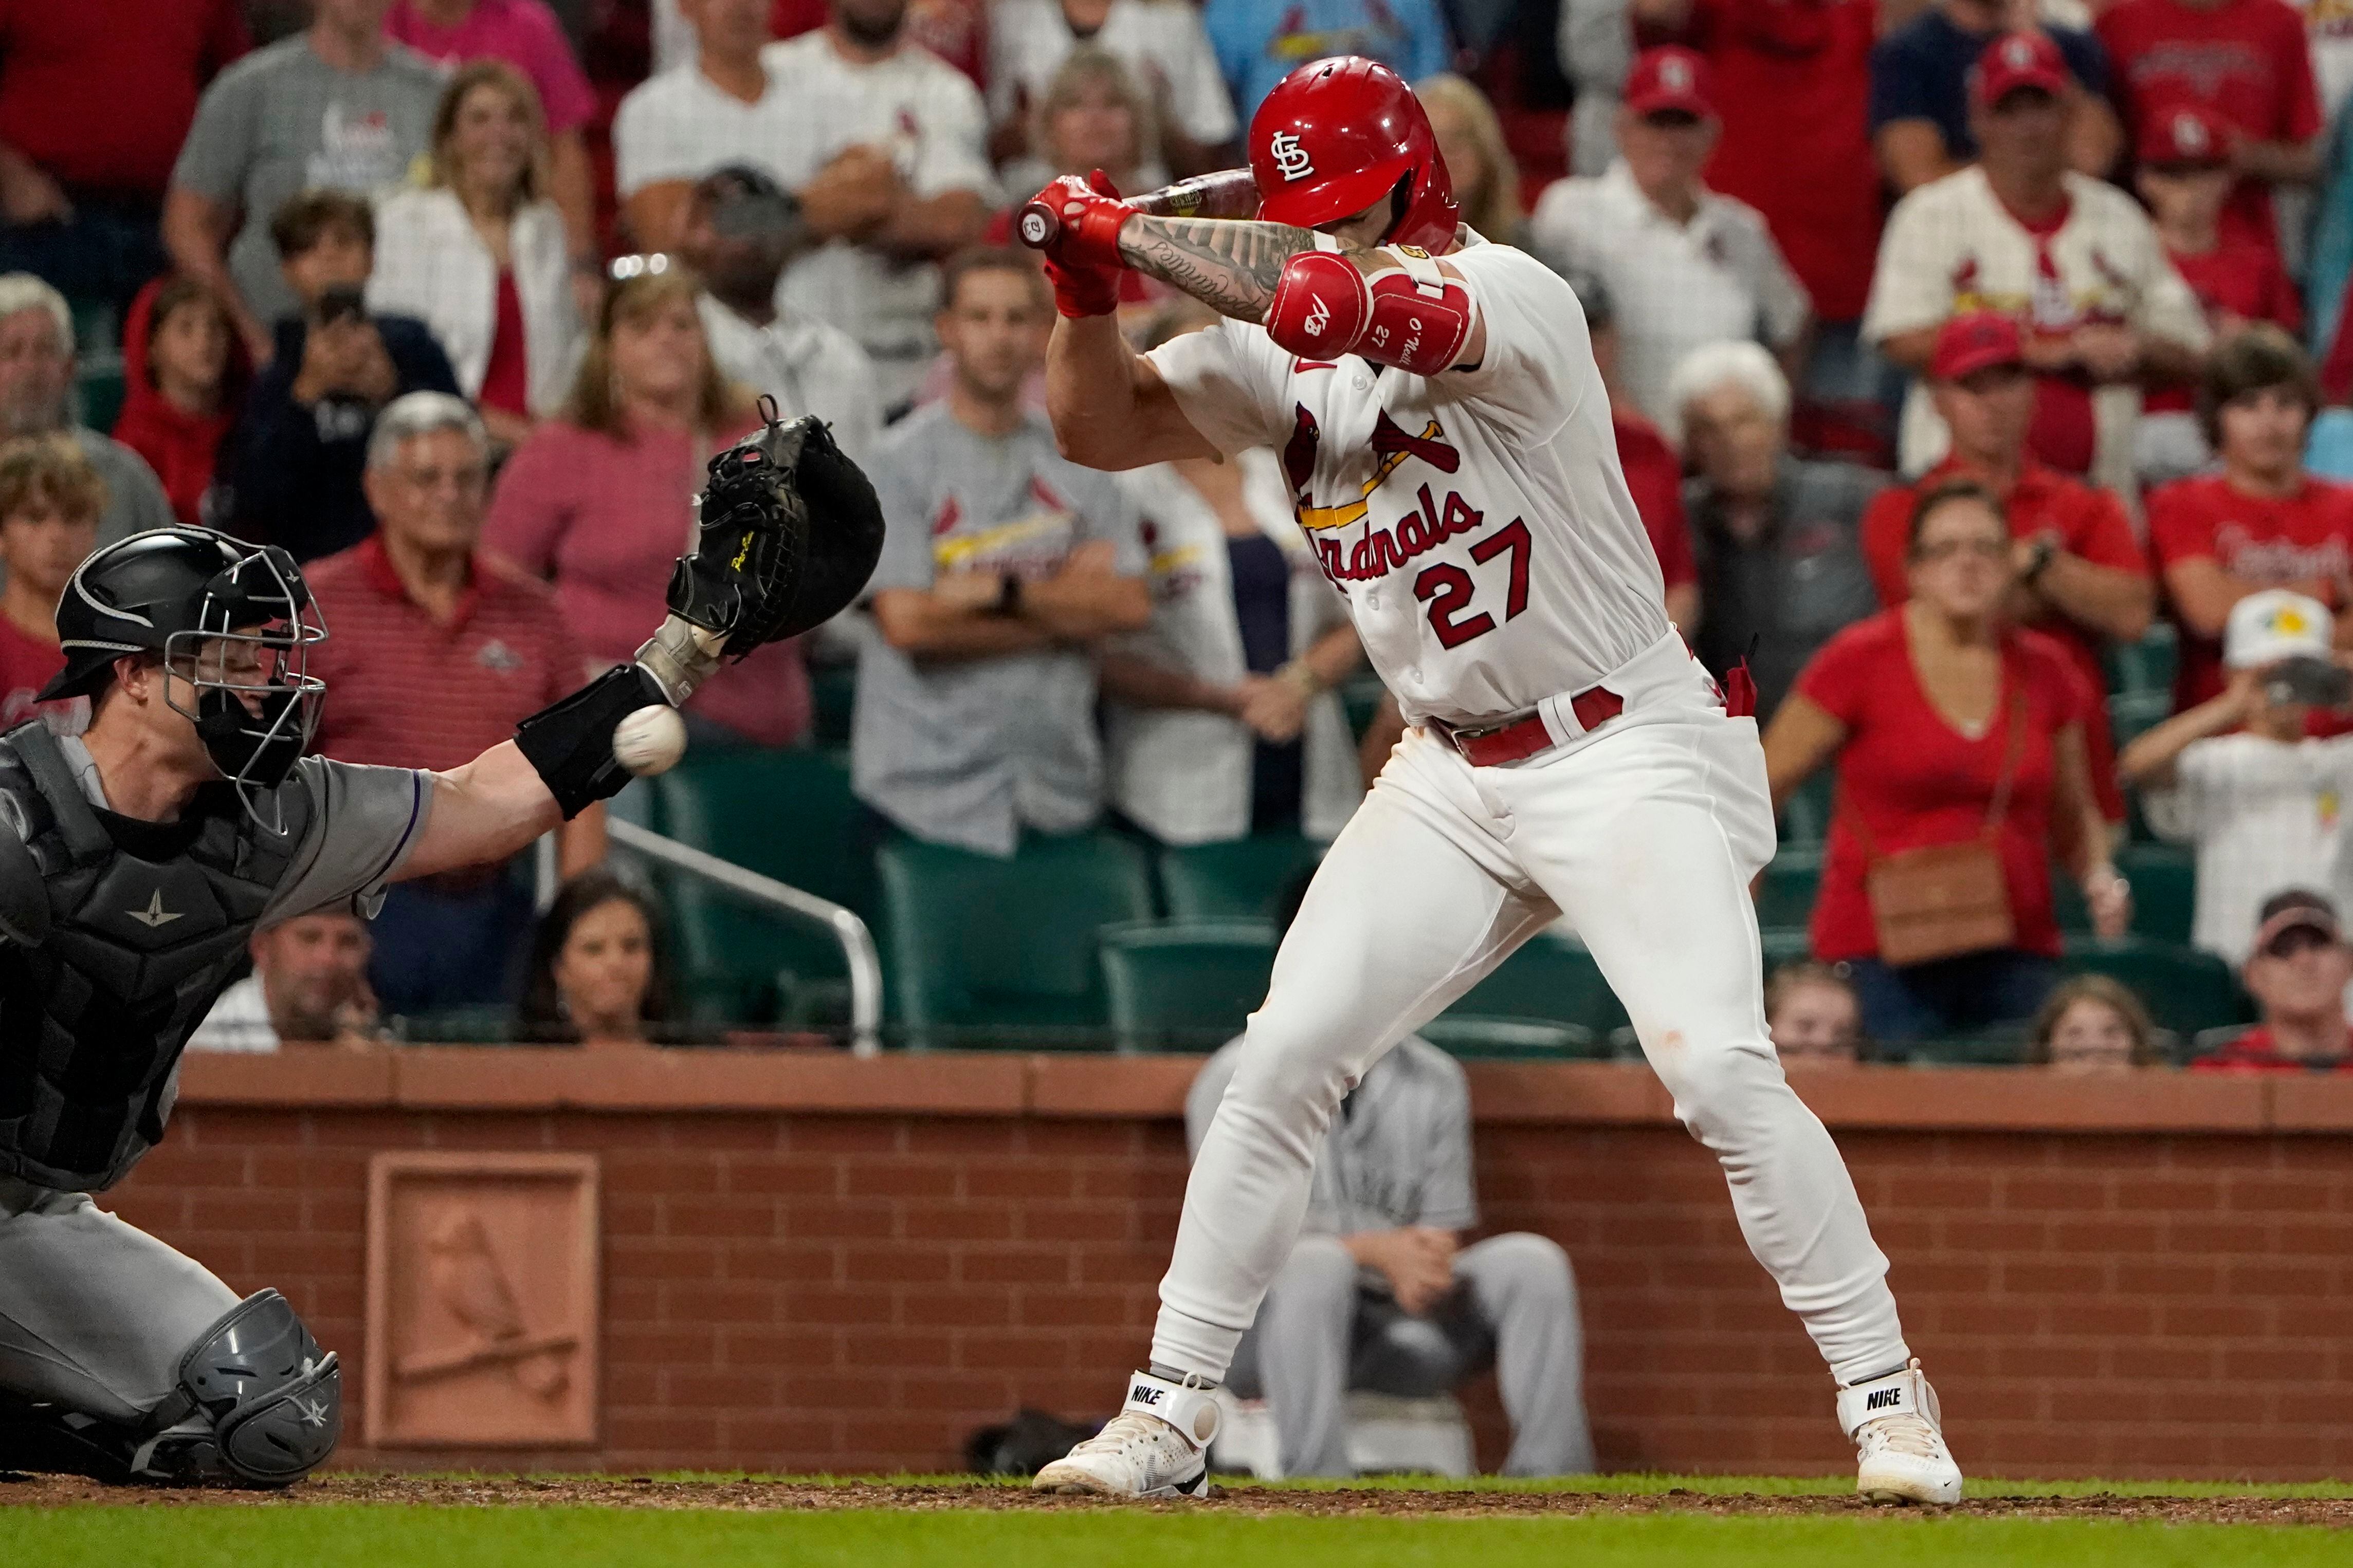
(1941, 900)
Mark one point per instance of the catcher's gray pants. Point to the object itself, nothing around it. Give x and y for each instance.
(1320, 1332)
(94, 1313)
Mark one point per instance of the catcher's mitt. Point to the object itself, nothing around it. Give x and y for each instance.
(790, 533)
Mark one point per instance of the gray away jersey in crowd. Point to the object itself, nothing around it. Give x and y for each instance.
(282, 120)
(968, 752)
(363, 822)
(1398, 1153)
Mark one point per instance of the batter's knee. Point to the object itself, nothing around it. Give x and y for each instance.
(1721, 1087)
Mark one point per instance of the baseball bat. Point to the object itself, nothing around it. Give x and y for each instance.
(1228, 194)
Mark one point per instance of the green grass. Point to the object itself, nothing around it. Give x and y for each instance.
(399, 1536)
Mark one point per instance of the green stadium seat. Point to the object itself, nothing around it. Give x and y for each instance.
(1361, 696)
(1785, 898)
(787, 814)
(981, 950)
(2186, 990)
(1184, 986)
(1998, 1045)
(2132, 714)
(1241, 878)
(2164, 879)
(1551, 979)
(1475, 1037)
(1806, 815)
(2148, 665)
(1784, 944)
(833, 695)
(103, 390)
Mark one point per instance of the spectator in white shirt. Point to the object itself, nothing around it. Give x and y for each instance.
(881, 141)
(2075, 260)
(1684, 265)
(2263, 804)
(1160, 42)
(480, 255)
(740, 232)
(1220, 720)
(1091, 115)
(309, 984)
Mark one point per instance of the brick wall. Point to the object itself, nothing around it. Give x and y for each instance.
(841, 1266)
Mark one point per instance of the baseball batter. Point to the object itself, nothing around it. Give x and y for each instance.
(136, 859)
(1444, 430)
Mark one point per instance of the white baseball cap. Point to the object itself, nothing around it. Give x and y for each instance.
(2273, 625)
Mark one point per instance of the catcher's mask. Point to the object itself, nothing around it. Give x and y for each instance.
(233, 624)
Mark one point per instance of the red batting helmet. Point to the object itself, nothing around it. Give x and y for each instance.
(1338, 136)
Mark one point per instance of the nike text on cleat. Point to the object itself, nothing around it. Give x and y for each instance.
(1899, 1440)
(1156, 1446)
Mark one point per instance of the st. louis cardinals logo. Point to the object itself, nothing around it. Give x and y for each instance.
(1290, 156)
(1391, 446)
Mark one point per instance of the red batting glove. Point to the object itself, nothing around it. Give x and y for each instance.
(1082, 290)
(1092, 215)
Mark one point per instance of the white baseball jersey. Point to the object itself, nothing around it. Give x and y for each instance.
(1477, 521)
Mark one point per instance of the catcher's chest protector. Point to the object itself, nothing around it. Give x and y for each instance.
(92, 1021)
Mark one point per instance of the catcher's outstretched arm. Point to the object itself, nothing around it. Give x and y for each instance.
(483, 812)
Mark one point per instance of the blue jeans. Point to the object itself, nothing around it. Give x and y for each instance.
(437, 950)
(1952, 995)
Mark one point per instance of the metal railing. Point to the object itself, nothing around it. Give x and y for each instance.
(857, 942)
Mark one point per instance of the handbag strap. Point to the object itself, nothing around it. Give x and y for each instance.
(1842, 806)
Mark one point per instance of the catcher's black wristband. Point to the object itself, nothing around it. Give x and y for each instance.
(571, 743)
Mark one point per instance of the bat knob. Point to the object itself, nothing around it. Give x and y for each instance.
(1036, 227)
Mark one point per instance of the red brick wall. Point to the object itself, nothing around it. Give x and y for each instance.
(811, 1285)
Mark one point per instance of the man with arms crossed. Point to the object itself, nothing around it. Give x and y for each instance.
(1446, 439)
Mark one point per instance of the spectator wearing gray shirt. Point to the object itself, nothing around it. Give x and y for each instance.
(37, 352)
(1003, 565)
(338, 107)
(1779, 538)
(1380, 1293)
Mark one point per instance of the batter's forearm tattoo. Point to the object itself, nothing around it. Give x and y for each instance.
(1230, 267)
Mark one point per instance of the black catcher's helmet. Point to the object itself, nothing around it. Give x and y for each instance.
(234, 623)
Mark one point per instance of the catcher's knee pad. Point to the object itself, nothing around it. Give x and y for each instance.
(275, 1399)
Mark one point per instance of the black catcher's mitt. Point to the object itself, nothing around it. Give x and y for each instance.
(790, 533)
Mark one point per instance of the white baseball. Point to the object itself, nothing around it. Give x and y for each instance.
(649, 741)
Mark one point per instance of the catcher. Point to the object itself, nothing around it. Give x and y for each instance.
(137, 858)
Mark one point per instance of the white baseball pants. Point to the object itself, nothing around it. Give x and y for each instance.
(1645, 835)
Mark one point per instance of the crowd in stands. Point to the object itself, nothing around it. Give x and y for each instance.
(1961, 352)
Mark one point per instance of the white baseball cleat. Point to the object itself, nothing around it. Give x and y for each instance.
(1156, 1446)
(1899, 1440)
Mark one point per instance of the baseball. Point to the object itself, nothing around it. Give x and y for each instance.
(649, 741)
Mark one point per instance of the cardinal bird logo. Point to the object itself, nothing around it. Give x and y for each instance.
(464, 1274)
(1392, 445)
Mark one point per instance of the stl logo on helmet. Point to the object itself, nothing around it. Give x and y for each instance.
(1290, 156)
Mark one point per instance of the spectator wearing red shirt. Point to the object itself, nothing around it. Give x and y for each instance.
(49, 500)
(1947, 724)
(2262, 521)
(2185, 177)
(2249, 61)
(183, 380)
(437, 652)
(96, 97)
(1792, 87)
(2082, 577)
(2298, 974)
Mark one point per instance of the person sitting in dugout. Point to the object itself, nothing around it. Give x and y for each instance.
(137, 858)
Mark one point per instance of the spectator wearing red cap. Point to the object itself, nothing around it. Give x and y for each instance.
(1792, 87)
(2081, 578)
(2298, 974)
(2184, 175)
(2246, 60)
(1920, 126)
(1684, 265)
(2073, 259)
(2263, 521)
